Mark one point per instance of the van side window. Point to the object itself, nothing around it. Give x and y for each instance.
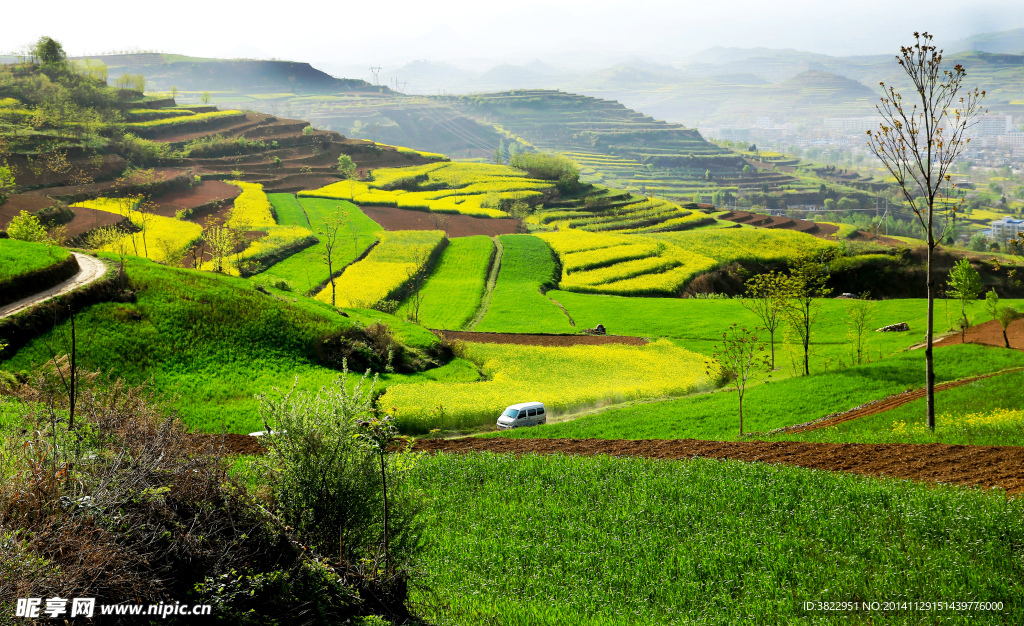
(532, 412)
(540, 411)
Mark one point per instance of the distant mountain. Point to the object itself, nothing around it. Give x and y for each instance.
(163, 71)
(1007, 42)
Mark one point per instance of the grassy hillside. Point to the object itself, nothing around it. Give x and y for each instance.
(21, 257)
(210, 342)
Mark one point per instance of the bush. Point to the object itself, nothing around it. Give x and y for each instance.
(26, 227)
(547, 166)
(329, 487)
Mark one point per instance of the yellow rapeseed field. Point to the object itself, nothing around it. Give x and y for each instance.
(161, 238)
(388, 266)
(563, 378)
(252, 210)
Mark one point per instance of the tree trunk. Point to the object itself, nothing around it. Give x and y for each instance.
(384, 485)
(929, 363)
(771, 334)
(741, 415)
(1006, 340)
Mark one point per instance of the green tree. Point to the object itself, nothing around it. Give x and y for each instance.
(346, 166)
(766, 298)
(26, 227)
(917, 143)
(738, 359)
(1005, 314)
(964, 284)
(205, 98)
(805, 286)
(49, 51)
(6, 181)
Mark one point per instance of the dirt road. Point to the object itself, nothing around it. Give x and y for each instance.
(90, 269)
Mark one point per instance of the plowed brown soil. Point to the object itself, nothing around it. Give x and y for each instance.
(392, 218)
(208, 194)
(560, 341)
(991, 334)
(984, 466)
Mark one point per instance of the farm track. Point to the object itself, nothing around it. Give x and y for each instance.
(880, 406)
(983, 466)
(560, 341)
(90, 269)
(492, 280)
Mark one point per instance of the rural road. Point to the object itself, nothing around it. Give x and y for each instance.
(90, 269)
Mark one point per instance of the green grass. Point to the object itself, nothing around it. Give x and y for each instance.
(517, 305)
(307, 269)
(452, 294)
(209, 342)
(21, 257)
(528, 539)
(906, 424)
(697, 324)
(766, 406)
(288, 210)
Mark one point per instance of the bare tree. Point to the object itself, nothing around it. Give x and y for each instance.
(738, 359)
(328, 233)
(918, 143)
(766, 298)
(858, 314)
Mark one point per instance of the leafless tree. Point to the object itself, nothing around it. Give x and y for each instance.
(917, 141)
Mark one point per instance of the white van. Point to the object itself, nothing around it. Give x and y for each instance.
(522, 414)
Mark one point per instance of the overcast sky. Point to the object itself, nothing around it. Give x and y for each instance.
(392, 32)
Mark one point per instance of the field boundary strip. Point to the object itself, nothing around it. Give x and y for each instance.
(879, 406)
(492, 281)
(981, 466)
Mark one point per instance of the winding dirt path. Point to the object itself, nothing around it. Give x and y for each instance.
(90, 269)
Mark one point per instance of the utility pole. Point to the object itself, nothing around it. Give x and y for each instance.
(376, 74)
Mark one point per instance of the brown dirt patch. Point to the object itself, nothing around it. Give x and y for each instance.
(22, 202)
(229, 443)
(776, 221)
(209, 194)
(455, 225)
(90, 219)
(560, 341)
(984, 466)
(989, 333)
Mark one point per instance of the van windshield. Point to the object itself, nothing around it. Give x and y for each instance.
(510, 413)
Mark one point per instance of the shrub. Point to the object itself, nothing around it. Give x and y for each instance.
(326, 485)
(26, 227)
(549, 167)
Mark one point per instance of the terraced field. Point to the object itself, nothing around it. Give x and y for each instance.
(306, 270)
(517, 304)
(467, 188)
(451, 296)
(385, 270)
